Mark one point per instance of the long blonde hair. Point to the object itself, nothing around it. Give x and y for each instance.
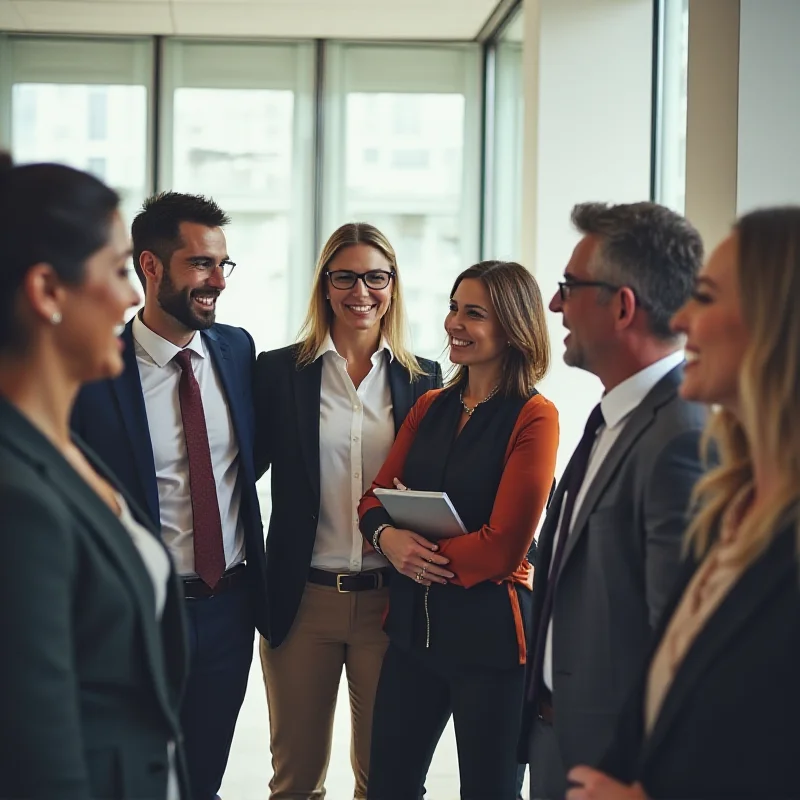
(319, 318)
(768, 429)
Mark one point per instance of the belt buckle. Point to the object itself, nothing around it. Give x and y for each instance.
(339, 583)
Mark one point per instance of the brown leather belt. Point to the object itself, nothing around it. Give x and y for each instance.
(350, 581)
(197, 589)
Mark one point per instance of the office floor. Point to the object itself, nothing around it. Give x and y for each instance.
(249, 767)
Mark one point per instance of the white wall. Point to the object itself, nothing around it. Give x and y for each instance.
(588, 83)
(769, 104)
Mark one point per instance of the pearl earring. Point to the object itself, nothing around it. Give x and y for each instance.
(55, 318)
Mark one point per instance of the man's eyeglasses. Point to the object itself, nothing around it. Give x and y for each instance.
(207, 266)
(346, 279)
(565, 287)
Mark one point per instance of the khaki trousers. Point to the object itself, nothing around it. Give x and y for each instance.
(332, 630)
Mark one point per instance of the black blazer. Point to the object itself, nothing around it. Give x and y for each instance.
(287, 439)
(728, 728)
(110, 416)
(90, 682)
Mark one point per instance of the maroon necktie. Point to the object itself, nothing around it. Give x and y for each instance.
(580, 461)
(209, 553)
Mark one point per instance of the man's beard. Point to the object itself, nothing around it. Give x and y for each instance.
(178, 304)
(574, 355)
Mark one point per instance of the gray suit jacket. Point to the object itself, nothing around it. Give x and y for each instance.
(90, 681)
(618, 569)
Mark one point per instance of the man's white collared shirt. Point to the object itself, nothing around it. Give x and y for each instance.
(160, 377)
(617, 407)
(356, 432)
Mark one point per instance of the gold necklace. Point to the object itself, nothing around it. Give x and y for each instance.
(470, 411)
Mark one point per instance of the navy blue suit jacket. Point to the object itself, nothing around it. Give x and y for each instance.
(110, 416)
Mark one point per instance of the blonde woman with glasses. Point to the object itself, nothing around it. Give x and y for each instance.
(715, 713)
(328, 409)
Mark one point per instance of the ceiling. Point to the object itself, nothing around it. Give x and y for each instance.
(330, 19)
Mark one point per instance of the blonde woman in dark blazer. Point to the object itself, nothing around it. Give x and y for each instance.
(91, 627)
(715, 713)
(327, 411)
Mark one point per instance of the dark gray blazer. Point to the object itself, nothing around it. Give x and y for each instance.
(618, 569)
(89, 680)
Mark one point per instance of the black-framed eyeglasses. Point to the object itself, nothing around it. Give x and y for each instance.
(565, 287)
(207, 266)
(346, 278)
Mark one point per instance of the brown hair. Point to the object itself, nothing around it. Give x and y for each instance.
(518, 304)
(318, 320)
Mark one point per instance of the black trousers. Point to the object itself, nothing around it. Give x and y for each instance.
(415, 699)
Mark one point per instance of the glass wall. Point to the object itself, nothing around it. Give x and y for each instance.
(237, 123)
(400, 147)
(402, 151)
(670, 150)
(80, 102)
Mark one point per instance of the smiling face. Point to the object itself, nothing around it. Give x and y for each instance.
(94, 310)
(716, 337)
(192, 282)
(590, 322)
(359, 308)
(474, 332)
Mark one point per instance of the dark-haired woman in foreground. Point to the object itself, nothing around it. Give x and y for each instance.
(714, 715)
(91, 625)
(458, 609)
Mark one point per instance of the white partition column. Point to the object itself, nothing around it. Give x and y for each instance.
(743, 110)
(769, 104)
(588, 137)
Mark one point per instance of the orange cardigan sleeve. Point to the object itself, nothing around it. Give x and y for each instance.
(498, 549)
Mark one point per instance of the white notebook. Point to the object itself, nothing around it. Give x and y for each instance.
(430, 514)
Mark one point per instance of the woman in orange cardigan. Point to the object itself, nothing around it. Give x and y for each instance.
(458, 608)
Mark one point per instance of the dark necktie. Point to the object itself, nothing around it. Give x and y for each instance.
(209, 553)
(580, 461)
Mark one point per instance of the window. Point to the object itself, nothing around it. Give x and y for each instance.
(418, 109)
(411, 159)
(97, 166)
(670, 151)
(98, 111)
(239, 130)
(82, 103)
(505, 119)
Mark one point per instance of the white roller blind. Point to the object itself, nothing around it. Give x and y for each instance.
(78, 61)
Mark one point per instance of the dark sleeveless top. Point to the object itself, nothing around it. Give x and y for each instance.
(472, 626)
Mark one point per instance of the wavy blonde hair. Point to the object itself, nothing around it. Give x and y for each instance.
(518, 304)
(319, 318)
(768, 429)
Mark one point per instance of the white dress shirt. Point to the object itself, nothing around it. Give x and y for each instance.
(356, 432)
(617, 407)
(156, 562)
(160, 376)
